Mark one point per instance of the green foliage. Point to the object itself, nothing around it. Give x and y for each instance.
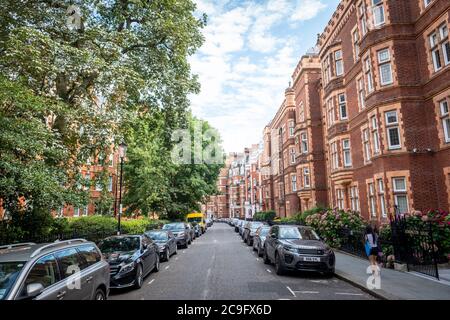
(93, 225)
(330, 223)
(67, 94)
(264, 216)
(154, 182)
(138, 226)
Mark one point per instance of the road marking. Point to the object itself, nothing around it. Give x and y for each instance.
(308, 292)
(257, 259)
(268, 271)
(293, 293)
(348, 294)
(283, 299)
(167, 267)
(151, 281)
(319, 281)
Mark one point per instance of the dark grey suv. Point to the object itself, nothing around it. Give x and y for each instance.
(63, 270)
(293, 247)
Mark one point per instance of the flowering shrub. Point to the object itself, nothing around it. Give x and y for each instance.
(330, 223)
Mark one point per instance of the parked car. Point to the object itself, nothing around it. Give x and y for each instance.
(131, 258)
(181, 231)
(197, 229)
(241, 228)
(48, 271)
(293, 247)
(237, 225)
(259, 238)
(191, 231)
(249, 231)
(166, 242)
(209, 222)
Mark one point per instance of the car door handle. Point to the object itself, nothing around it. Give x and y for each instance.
(61, 294)
(89, 279)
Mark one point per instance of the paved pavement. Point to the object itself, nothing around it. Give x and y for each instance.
(219, 266)
(393, 285)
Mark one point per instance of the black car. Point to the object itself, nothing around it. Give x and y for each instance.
(250, 230)
(181, 231)
(130, 258)
(166, 242)
(293, 247)
(259, 238)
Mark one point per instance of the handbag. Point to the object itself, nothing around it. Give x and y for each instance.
(368, 247)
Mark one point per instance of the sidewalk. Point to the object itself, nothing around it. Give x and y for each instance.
(395, 285)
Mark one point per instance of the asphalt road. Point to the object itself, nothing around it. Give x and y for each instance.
(219, 266)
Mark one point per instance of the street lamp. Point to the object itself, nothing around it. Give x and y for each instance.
(122, 154)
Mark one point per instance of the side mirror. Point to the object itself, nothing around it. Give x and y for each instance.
(273, 236)
(34, 289)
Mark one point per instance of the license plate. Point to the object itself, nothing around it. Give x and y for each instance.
(311, 259)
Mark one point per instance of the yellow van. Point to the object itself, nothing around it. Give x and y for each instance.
(197, 217)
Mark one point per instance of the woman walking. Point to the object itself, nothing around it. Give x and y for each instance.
(371, 239)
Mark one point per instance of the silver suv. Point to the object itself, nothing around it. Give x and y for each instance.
(62, 270)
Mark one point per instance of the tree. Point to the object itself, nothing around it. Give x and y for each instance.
(155, 183)
(83, 83)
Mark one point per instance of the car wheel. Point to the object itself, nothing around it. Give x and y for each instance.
(259, 251)
(100, 294)
(254, 248)
(156, 268)
(167, 257)
(279, 269)
(186, 245)
(139, 277)
(265, 257)
(329, 273)
(176, 249)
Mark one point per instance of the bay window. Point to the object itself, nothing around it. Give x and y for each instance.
(339, 64)
(304, 142)
(445, 117)
(306, 178)
(342, 107)
(347, 153)
(378, 13)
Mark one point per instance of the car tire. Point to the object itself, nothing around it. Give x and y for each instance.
(259, 251)
(254, 249)
(139, 279)
(329, 273)
(167, 255)
(176, 249)
(279, 268)
(100, 294)
(156, 268)
(265, 257)
(249, 241)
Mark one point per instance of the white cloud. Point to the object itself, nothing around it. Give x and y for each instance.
(307, 9)
(250, 52)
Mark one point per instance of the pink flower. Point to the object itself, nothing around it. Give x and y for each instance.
(425, 218)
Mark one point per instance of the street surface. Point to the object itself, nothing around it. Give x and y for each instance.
(219, 266)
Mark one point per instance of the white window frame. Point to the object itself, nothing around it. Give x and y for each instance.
(346, 153)
(381, 197)
(368, 75)
(304, 142)
(306, 178)
(385, 62)
(445, 118)
(291, 128)
(391, 126)
(375, 135)
(110, 183)
(372, 199)
(292, 155)
(377, 5)
(294, 183)
(76, 212)
(340, 199)
(363, 18)
(361, 92)
(356, 47)
(338, 63)
(366, 145)
(342, 102)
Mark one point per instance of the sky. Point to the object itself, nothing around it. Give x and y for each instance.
(250, 52)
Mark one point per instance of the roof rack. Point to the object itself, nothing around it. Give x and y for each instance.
(14, 245)
(54, 244)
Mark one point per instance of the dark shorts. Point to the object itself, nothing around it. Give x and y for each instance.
(374, 251)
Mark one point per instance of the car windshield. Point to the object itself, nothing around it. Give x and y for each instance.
(197, 219)
(255, 225)
(158, 236)
(122, 244)
(264, 231)
(298, 233)
(174, 226)
(9, 271)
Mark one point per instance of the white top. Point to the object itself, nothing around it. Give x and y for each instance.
(372, 241)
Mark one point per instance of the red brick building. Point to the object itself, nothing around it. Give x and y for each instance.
(385, 95)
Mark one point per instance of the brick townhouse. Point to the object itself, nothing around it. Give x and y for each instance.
(366, 124)
(385, 93)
